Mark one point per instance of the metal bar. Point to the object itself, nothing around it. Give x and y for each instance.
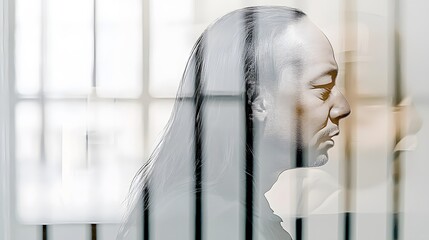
(251, 81)
(348, 217)
(198, 127)
(6, 180)
(299, 162)
(398, 93)
(43, 46)
(146, 213)
(93, 231)
(149, 99)
(215, 98)
(361, 98)
(8, 51)
(299, 222)
(146, 100)
(45, 232)
(397, 164)
(348, 168)
(94, 46)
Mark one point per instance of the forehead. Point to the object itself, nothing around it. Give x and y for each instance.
(304, 51)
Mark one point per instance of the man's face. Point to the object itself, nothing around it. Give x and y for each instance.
(308, 105)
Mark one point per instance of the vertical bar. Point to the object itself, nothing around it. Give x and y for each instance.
(299, 162)
(43, 46)
(93, 78)
(347, 225)
(145, 101)
(94, 46)
(251, 81)
(93, 231)
(198, 162)
(8, 101)
(145, 218)
(397, 165)
(348, 174)
(350, 29)
(45, 232)
(299, 222)
(6, 52)
(398, 94)
(43, 66)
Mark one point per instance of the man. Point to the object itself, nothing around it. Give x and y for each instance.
(285, 69)
(305, 111)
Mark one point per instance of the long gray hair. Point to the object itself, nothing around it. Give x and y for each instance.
(214, 72)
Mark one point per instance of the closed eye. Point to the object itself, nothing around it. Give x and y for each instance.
(324, 91)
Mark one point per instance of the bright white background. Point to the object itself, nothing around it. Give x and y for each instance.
(80, 114)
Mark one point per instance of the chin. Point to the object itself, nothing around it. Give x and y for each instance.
(320, 160)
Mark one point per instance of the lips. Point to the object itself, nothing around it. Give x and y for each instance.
(334, 133)
(327, 144)
(326, 141)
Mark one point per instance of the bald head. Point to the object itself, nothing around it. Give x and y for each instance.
(302, 109)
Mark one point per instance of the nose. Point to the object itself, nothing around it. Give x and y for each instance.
(340, 107)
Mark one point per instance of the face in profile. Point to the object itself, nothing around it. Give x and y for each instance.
(308, 106)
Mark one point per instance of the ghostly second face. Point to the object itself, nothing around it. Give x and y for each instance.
(307, 107)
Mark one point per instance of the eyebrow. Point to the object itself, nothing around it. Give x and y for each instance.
(319, 80)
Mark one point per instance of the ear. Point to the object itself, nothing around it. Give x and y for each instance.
(259, 109)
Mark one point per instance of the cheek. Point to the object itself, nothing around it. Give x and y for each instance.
(317, 118)
(281, 121)
(316, 113)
